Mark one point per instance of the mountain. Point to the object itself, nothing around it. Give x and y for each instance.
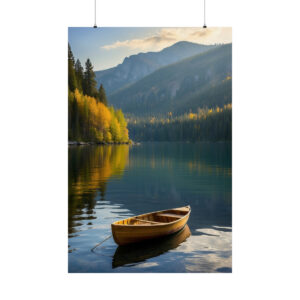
(203, 80)
(140, 65)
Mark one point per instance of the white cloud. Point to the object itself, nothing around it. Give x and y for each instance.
(168, 36)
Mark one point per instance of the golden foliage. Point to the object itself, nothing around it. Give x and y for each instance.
(97, 121)
(192, 116)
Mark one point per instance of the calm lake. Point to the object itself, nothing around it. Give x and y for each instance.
(108, 183)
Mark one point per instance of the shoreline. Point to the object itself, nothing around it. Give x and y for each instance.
(76, 143)
(132, 143)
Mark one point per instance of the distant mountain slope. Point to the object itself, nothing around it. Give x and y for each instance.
(203, 80)
(140, 65)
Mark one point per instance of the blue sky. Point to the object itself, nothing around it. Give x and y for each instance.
(108, 46)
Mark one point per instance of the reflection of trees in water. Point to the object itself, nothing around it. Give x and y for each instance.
(202, 157)
(183, 173)
(89, 169)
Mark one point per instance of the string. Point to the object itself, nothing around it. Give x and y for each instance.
(92, 250)
(95, 24)
(204, 26)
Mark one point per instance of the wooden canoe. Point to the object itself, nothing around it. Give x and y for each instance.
(150, 226)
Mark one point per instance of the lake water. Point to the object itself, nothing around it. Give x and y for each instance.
(109, 183)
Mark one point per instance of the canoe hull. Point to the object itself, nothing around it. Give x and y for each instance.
(124, 234)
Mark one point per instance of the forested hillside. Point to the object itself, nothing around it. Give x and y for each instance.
(204, 125)
(200, 81)
(189, 100)
(89, 116)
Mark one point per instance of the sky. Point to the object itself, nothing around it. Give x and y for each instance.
(107, 47)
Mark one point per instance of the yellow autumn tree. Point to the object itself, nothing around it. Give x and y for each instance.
(94, 121)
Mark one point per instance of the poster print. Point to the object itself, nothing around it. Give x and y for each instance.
(149, 125)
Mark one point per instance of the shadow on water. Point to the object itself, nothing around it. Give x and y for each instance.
(135, 253)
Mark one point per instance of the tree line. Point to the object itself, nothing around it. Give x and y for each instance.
(90, 118)
(213, 124)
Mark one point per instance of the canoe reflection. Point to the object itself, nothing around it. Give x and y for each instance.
(135, 253)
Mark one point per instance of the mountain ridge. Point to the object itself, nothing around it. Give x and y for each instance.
(198, 81)
(137, 66)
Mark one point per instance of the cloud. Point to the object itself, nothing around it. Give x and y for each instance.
(167, 36)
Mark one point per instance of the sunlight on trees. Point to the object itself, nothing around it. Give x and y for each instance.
(90, 118)
(212, 124)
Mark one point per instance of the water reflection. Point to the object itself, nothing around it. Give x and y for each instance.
(108, 183)
(90, 167)
(131, 254)
(209, 250)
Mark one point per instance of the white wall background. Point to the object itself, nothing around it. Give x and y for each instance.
(33, 151)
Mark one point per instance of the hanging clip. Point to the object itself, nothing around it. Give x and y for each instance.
(95, 25)
(204, 26)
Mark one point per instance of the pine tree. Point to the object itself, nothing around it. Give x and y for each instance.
(71, 70)
(79, 74)
(89, 118)
(89, 81)
(102, 95)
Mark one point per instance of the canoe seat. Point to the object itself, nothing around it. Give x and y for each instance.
(169, 215)
(147, 221)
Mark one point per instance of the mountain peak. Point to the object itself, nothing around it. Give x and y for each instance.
(184, 43)
(200, 81)
(140, 65)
